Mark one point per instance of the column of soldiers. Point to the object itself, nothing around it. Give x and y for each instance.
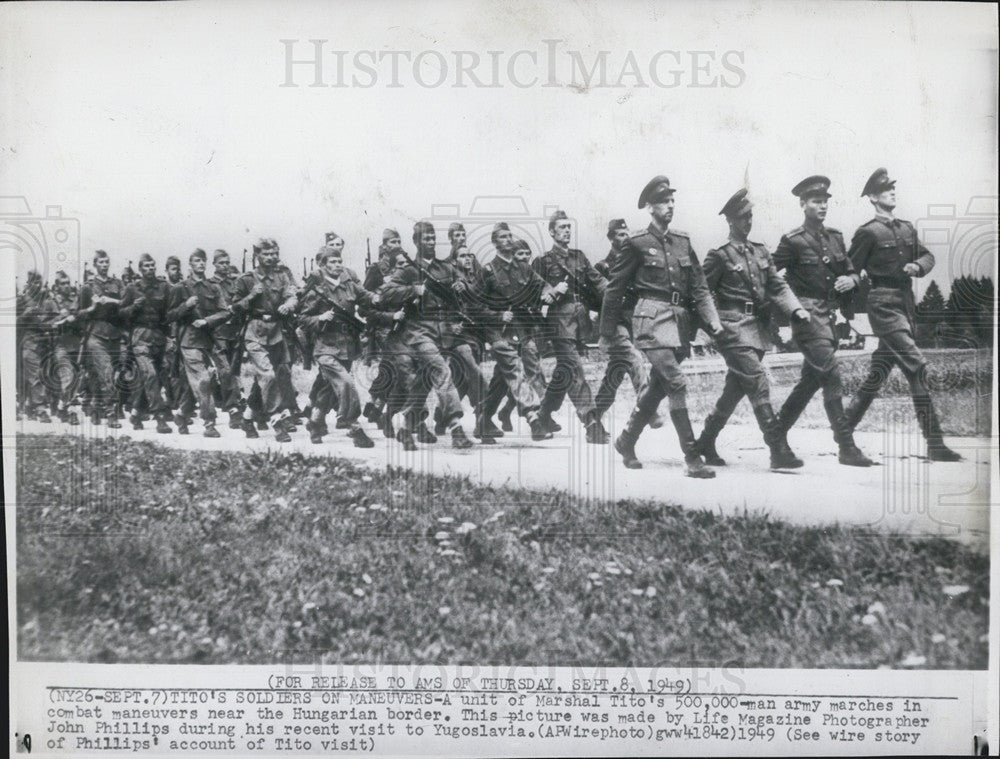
(164, 347)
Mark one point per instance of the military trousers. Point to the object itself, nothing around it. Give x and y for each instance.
(336, 374)
(230, 396)
(100, 356)
(271, 368)
(568, 379)
(430, 370)
(466, 373)
(745, 376)
(624, 360)
(150, 357)
(896, 349)
(666, 380)
(64, 357)
(33, 360)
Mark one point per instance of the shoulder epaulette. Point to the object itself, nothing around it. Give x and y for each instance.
(831, 230)
(678, 233)
(796, 231)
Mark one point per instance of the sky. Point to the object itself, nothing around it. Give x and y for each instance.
(163, 127)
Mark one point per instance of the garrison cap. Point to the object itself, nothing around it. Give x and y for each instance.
(328, 251)
(557, 216)
(146, 257)
(816, 186)
(455, 226)
(614, 225)
(521, 244)
(656, 190)
(173, 260)
(100, 254)
(265, 243)
(198, 253)
(736, 206)
(389, 234)
(219, 253)
(421, 228)
(500, 226)
(330, 237)
(878, 182)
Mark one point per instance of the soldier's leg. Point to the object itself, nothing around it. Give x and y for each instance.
(100, 355)
(810, 380)
(229, 385)
(826, 365)
(31, 365)
(732, 393)
(282, 393)
(646, 407)
(262, 372)
(65, 364)
(879, 370)
(624, 360)
(196, 366)
(434, 370)
(146, 383)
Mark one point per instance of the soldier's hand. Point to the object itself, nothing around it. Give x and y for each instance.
(507, 316)
(199, 323)
(139, 301)
(191, 301)
(258, 288)
(800, 314)
(419, 290)
(912, 269)
(562, 287)
(547, 298)
(326, 316)
(717, 330)
(843, 283)
(398, 316)
(376, 298)
(285, 308)
(459, 286)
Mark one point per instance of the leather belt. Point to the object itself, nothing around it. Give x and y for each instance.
(674, 298)
(745, 307)
(890, 282)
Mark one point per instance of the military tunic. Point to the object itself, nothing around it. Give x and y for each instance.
(624, 359)
(66, 347)
(148, 337)
(103, 343)
(35, 314)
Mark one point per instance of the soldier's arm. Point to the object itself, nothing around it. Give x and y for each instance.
(784, 254)
(620, 276)
(594, 277)
(703, 300)
(176, 303)
(778, 290)
(849, 269)
(399, 287)
(924, 259)
(713, 267)
(243, 294)
(862, 246)
(127, 306)
(221, 312)
(289, 292)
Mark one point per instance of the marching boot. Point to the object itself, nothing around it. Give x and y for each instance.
(930, 425)
(856, 409)
(849, 453)
(113, 422)
(372, 413)
(596, 434)
(705, 444)
(504, 416)
(162, 427)
(791, 409)
(95, 417)
(136, 421)
(282, 431)
(43, 416)
(342, 424)
(481, 430)
(539, 431)
(250, 429)
(406, 438)
(781, 455)
(424, 435)
(182, 424)
(439, 426)
(235, 420)
(70, 417)
(626, 440)
(695, 467)
(387, 429)
(458, 438)
(210, 430)
(361, 440)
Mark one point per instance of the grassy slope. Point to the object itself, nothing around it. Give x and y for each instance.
(240, 558)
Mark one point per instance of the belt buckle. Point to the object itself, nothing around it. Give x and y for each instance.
(748, 308)
(675, 298)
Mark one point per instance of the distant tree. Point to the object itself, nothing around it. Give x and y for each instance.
(931, 315)
(969, 308)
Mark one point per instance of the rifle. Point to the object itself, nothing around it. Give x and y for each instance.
(443, 292)
(243, 268)
(342, 314)
(368, 257)
(586, 291)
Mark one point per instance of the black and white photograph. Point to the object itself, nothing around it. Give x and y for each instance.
(438, 378)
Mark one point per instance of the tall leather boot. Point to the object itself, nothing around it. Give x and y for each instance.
(705, 444)
(627, 438)
(596, 433)
(791, 410)
(857, 408)
(782, 456)
(849, 453)
(695, 467)
(930, 425)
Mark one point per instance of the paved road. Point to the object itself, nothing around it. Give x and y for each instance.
(905, 493)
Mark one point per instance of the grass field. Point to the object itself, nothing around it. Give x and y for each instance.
(129, 552)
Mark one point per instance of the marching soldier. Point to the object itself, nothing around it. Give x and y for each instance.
(144, 305)
(512, 287)
(821, 276)
(99, 299)
(624, 359)
(671, 290)
(66, 346)
(386, 378)
(746, 285)
(36, 313)
(888, 251)
(577, 289)
(198, 305)
(328, 312)
(431, 328)
(225, 338)
(179, 393)
(265, 295)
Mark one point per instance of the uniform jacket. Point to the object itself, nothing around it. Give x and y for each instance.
(517, 286)
(228, 330)
(334, 337)
(630, 299)
(104, 320)
(745, 283)
(433, 316)
(148, 320)
(69, 334)
(35, 314)
(813, 258)
(670, 286)
(211, 306)
(568, 316)
(262, 310)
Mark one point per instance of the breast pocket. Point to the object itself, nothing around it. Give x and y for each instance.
(654, 267)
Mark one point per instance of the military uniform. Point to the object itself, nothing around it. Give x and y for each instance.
(103, 342)
(66, 351)
(882, 248)
(672, 295)
(265, 344)
(36, 312)
(148, 336)
(743, 279)
(225, 339)
(567, 325)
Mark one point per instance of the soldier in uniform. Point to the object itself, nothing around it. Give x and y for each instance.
(265, 295)
(428, 331)
(742, 277)
(510, 288)
(328, 312)
(99, 299)
(387, 378)
(179, 393)
(888, 251)
(820, 274)
(144, 305)
(577, 289)
(225, 339)
(66, 346)
(198, 305)
(670, 286)
(624, 359)
(36, 313)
